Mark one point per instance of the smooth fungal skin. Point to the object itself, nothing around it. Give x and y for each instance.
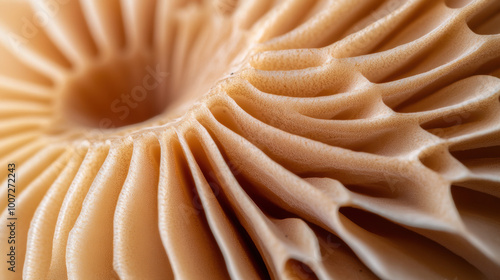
(251, 139)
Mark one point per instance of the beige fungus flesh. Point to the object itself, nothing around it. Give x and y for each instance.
(251, 139)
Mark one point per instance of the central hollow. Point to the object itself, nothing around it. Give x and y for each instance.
(116, 93)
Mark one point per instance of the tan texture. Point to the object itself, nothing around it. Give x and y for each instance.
(215, 139)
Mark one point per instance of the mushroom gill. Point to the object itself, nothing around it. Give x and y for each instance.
(250, 139)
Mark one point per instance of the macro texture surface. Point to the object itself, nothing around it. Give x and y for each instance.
(251, 139)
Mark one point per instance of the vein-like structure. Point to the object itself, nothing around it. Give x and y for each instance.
(346, 139)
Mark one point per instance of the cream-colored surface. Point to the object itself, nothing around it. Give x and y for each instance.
(287, 139)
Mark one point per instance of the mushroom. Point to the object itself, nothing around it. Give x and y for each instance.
(251, 139)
